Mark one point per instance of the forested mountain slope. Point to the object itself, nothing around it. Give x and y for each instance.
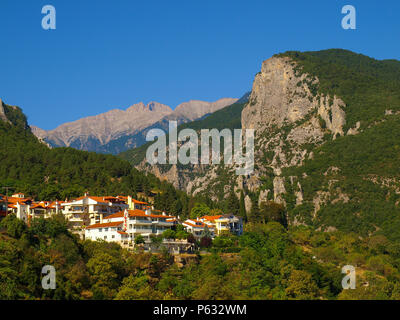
(29, 166)
(327, 143)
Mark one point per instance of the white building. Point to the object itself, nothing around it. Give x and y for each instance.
(125, 226)
(110, 232)
(198, 228)
(89, 210)
(229, 223)
(217, 225)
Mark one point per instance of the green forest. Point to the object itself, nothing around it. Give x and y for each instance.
(266, 262)
(29, 166)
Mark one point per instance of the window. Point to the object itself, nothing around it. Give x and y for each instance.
(105, 237)
(113, 236)
(100, 229)
(105, 229)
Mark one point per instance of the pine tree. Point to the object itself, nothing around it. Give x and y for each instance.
(242, 207)
(254, 212)
(233, 203)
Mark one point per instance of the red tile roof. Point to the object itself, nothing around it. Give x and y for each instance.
(138, 202)
(104, 225)
(137, 213)
(211, 218)
(15, 200)
(104, 199)
(196, 224)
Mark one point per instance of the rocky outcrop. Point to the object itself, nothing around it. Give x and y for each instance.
(3, 116)
(279, 189)
(354, 131)
(247, 203)
(264, 196)
(278, 96)
(330, 110)
(289, 119)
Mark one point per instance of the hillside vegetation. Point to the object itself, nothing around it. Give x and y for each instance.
(268, 263)
(228, 117)
(29, 166)
(355, 179)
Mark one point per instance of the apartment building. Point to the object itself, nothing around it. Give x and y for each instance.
(198, 228)
(89, 210)
(217, 225)
(229, 223)
(127, 225)
(110, 231)
(20, 206)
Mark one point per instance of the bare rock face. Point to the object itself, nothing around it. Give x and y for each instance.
(106, 126)
(195, 109)
(332, 113)
(279, 189)
(247, 203)
(287, 114)
(2, 112)
(263, 197)
(277, 96)
(289, 118)
(38, 132)
(354, 131)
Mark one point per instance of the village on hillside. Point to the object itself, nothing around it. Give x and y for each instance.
(124, 220)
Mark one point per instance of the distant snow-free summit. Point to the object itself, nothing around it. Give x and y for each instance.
(119, 130)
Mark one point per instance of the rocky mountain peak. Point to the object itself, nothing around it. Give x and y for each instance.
(195, 109)
(118, 130)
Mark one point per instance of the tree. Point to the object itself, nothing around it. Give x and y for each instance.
(139, 239)
(254, 212)
(242, 207)
(205, 242)
(136, 288)
(199, 210)
(232, 203)
(14, 226)
(301, 286)
(272, 211)
(105, 271)
(169, 234)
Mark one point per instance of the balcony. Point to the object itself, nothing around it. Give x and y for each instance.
(145, 222)
(73, 211)
(141, 230)
(163, 223)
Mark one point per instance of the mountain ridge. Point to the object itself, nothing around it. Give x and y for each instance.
(310, 110)
(116, 130)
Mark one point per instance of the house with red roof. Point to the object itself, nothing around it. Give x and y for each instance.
(110, 232)
(132, 223)
(88, 210)
(198, 228)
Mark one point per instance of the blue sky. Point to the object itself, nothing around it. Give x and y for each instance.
(112, 54)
